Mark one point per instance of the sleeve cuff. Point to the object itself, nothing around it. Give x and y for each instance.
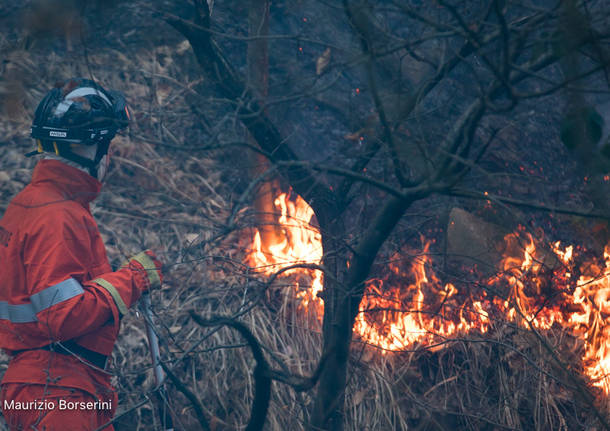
(150, 268)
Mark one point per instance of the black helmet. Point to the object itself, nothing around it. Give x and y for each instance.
(79, 112)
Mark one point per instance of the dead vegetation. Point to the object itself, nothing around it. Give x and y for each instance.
(183, 203)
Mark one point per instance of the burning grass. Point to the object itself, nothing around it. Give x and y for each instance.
(427, 355)
(538, 323)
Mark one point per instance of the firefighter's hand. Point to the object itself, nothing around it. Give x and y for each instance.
(147, 269)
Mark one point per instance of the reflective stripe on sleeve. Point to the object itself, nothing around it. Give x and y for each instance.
(20, 313)
(52, 295)
(114, 293)
(55, 294)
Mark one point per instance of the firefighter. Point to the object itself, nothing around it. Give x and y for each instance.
(60, 301)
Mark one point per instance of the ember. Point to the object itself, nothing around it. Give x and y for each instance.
(537, 287)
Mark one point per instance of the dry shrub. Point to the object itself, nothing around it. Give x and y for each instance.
(177, 203)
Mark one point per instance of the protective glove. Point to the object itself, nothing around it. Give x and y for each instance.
(147, 270)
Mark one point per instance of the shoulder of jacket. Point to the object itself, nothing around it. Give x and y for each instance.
(59, 215)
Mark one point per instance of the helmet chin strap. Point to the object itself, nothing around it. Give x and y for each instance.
(102, 167)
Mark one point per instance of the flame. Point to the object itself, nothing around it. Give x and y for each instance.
(536, 288)
(300, 243)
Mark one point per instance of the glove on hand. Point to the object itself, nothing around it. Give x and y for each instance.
(147, 270)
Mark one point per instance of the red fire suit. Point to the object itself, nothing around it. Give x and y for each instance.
(58, 289)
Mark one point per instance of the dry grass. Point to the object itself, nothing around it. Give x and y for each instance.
(177, 204)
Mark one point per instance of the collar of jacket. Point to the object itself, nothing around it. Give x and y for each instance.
(72, 182)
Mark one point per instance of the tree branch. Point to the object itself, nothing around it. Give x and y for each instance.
(189, 396)
(361, 24)
(214, 63)
(458, 192)
(262, 391)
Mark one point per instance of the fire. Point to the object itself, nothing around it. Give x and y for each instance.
(301, 243)
(539, 286)
(395, 318)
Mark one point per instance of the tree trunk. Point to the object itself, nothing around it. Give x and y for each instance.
(337, 332)
(341, 305)
(258, 81)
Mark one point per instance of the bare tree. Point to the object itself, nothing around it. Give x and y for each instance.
(408, 56)
(381, 109)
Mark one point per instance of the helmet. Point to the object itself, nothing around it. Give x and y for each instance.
(79, 112)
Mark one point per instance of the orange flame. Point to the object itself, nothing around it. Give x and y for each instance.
(301, 244)
(411, 306)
